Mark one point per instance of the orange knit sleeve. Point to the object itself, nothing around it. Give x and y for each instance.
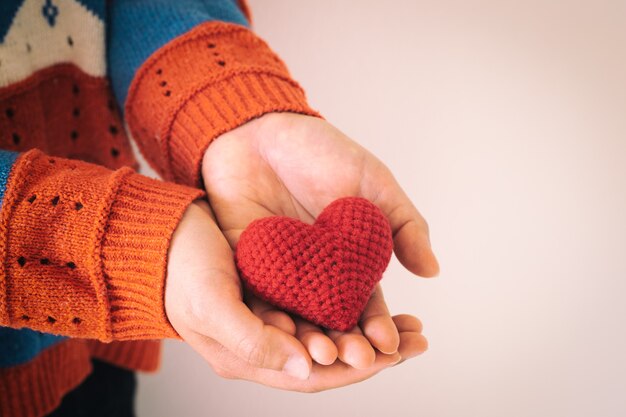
(84, 249)
(200, 85)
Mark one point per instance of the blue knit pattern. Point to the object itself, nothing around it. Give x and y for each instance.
(50, 11)
(18, 346)
(8, 10)
(97, 7)
(7, 159)
(137, 28)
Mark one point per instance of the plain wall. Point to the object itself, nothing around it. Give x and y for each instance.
(505, 122)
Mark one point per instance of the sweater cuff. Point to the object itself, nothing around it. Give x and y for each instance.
(143, 217)
(84, 249)
(207, 82)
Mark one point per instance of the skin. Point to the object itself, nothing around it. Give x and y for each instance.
(289, 165)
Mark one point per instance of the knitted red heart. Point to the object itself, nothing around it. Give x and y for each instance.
(324, 272)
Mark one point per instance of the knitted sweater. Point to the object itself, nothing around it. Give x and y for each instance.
(83, 238)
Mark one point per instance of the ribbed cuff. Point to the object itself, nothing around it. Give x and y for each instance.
(84, 249)
(141, 222)
(209, 81)
(221, 107)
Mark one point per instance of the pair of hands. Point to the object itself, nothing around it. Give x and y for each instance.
(289, 165)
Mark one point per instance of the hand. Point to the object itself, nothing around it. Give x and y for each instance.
(294, 165)
(203, 302)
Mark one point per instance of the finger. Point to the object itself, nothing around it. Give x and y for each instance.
(341, 374)
(412, 342)
(246, 335)
(322, 377)
(270, 314)
(377, 325)
(261, 345)
(353, 348)
(321, 348)
(224, 362)
(410, 231)
(408, 323)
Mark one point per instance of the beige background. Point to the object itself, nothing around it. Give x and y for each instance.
(505, 122)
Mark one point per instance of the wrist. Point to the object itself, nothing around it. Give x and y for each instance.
(197, 249)
(184, 96)
(260, 132)
(142, 221)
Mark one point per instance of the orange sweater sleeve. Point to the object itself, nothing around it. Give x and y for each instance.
(84, 249)
(202, 84)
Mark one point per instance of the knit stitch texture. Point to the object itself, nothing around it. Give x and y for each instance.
(84, 244)
(215, 78)
(85, 249)
(324, 272)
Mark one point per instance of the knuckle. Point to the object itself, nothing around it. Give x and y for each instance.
(223, 364)
(310, 389)
(255, 352)
(223, 372)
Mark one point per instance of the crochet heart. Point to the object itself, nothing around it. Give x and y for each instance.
(324, 272)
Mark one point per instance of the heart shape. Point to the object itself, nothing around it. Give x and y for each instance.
(325, 272)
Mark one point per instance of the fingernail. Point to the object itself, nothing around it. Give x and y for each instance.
(297, 367)
(395, 362)
(419, 352)
(413, 355)
(436, 262)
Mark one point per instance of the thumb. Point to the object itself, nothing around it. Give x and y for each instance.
(410, 231)
(259, 344)
(203, 296)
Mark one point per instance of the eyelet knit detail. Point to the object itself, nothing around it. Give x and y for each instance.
(64, 112)
(102, 260)
(184, 95)
(66, 108)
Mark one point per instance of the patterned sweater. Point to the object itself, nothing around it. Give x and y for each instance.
(83, 238)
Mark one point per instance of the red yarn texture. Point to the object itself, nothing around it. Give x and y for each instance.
(324, 272)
